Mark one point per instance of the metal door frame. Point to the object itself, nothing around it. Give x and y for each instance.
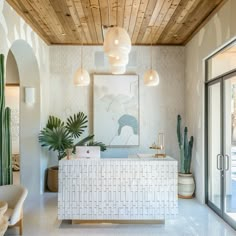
(219, 79)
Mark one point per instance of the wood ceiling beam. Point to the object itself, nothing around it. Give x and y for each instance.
(81, 21)
(139, 20)
(163, 20)
(205, 21)
(96, 12)
(146, 19)
(89, 19)
(33, 24)
(133, 16)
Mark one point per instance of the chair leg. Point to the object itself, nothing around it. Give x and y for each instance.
(21, 226)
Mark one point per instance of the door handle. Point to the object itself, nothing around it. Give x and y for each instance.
(219, 160)
(227, 162)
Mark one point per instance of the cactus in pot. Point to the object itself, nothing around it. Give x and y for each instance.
(185, 147)
(186, 185)
(5, 138)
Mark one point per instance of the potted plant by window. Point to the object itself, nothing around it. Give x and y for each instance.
(186, 185)
(59, 136)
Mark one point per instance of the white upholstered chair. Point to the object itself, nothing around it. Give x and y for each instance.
(15, 196)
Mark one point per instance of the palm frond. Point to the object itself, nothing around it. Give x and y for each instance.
(83, 141)
(94, 143)
(57, 139)
(54, 122)
(76, 124)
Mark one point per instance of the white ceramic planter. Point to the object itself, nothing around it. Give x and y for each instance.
(186, 185)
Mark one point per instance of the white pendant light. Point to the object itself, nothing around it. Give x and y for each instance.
(117, 45)
(81, 77)
(116, 41)
(121, 59)
(117, 70)
(151, 77)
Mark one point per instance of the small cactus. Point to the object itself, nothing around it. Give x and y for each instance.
(5, 138)
(185, 147)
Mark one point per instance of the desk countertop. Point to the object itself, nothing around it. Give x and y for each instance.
(137, 157)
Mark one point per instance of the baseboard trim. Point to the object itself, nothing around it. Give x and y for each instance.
(118, 221)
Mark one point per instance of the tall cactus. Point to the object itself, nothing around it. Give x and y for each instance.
(5, 138)
(185, 147)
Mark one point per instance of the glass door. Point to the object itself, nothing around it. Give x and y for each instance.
(214, 147)
(221, 147)
(229, 98)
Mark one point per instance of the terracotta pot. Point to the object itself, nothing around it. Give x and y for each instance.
(186, 185)
(52, 179)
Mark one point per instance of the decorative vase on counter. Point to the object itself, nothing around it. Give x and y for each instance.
(186, 185)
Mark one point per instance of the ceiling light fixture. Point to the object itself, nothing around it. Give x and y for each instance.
(117, 70)
(81, 77)
(117, 45)
(151, 77)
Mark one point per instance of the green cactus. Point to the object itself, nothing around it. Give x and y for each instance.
(5, 137)
(185, 147)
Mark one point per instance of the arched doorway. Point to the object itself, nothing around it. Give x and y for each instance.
(29, 115)
(12, 100)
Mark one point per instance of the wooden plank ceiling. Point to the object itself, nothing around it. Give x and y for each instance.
(164, 22)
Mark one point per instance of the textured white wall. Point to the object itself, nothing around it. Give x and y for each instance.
(13, 28)
(159, 106)
(12, 73)
(220, 29)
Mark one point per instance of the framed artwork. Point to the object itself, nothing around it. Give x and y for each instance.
(116, 110)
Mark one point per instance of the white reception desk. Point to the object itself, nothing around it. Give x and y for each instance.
(133, 189)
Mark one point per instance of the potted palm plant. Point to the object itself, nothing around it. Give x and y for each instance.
(186, 185)
(61, 136)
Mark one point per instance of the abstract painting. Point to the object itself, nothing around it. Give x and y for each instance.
(116, 109)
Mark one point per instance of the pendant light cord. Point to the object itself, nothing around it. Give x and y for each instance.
(151, 47)
(81, 53)
(108, 4)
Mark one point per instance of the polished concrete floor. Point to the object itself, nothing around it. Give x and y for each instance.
(40, 219)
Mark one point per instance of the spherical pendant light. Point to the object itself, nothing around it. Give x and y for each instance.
(81, 77)
(121, 59)
(116, 41)
(118, 70)
(151, 78)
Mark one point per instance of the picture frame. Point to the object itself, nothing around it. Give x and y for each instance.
(116, 110)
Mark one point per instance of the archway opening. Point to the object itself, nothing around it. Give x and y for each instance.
(29, 113)
(12, 93)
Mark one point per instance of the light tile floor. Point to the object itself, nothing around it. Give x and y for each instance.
(40, 219)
